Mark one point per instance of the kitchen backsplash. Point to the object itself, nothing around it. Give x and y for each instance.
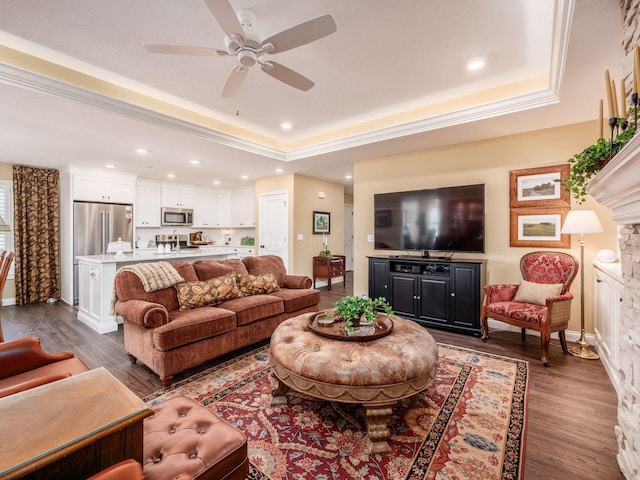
(145, 235)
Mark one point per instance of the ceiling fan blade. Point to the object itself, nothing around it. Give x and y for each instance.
(183, 50)
(286, 75)
(226, 17)
(234, 81)
(302, 34)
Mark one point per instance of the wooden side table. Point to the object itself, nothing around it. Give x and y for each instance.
(71, 428)
(328, 267)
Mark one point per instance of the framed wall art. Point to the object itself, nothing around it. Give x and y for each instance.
(538, 227)
(321, 222)
(539, 187)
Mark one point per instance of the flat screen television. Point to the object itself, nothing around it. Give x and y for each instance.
(448, 219)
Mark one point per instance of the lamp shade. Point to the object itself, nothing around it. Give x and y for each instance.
(582, 221)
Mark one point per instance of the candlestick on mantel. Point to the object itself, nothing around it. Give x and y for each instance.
(600, 119)
(636, 68)
(615, 99)
(623, 100)
(607, 88)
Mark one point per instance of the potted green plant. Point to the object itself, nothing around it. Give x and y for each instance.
(354, 309)
(588, 162)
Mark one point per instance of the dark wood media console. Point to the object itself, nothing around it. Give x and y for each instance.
(440, 293)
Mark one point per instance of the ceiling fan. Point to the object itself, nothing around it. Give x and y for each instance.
(249, 51)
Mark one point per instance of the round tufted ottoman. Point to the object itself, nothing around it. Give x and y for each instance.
(377, 373)
(183, 436)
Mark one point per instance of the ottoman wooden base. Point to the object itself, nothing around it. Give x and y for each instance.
(185, 437)
(376, 374)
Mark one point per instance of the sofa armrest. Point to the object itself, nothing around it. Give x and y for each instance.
(23, 354)
(34, 382)
(145, 314)
(296, 281)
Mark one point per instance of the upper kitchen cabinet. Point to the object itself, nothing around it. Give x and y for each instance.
(178, 195)
(147, 206)
(223, 209)
(205, 212)
(243, 213)
(104, 188)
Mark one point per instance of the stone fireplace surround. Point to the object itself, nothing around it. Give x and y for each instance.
(617, 186)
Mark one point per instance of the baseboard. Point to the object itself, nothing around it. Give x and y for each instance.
(570, 335)
(324, 283)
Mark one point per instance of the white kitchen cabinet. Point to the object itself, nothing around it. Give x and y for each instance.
(243, 210)
(96, 188)
(147, 207)
(607, 304)
(205, 212)
(180, 196)
(223, 210)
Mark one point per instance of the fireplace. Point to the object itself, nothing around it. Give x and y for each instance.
(617, 186)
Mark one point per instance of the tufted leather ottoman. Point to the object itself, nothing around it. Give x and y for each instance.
(377, 373)
(183, 436)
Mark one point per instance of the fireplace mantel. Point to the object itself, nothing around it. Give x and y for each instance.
(617, 185)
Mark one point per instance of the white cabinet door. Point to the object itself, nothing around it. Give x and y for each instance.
(101, 189)
(205, 212)
(607, 306)
(177, 197)
(223, 210)
(243, 210)
(147, 207)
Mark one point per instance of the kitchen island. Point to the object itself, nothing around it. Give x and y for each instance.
(96, 274)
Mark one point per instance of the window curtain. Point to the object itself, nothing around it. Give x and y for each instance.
(36, 195)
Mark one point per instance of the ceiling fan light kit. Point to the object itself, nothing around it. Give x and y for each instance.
(249, 51)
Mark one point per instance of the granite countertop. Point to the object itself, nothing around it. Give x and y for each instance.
(152, 255)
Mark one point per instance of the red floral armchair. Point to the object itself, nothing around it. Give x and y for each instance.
(541, 302)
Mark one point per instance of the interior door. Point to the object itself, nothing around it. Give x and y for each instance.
(348, 238)
(273, 229)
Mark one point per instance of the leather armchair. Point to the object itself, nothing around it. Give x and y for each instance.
(24, 365)
(541, 302)
(129, 470)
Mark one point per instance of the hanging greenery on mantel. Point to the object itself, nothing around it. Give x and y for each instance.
(587, 163)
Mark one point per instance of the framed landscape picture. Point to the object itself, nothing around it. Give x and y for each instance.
(538, 227)
(538, 187)
(321, 222)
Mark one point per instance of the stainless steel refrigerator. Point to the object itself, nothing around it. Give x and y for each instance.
(94, 226)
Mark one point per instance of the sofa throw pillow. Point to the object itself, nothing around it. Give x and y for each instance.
(536, 293)
(208, 292)
(257, 284)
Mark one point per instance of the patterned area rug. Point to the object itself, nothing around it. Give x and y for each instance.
(469, 424)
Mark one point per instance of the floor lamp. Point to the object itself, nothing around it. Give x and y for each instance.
(581, 222)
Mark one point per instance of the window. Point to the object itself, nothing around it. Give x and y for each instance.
(6, 218)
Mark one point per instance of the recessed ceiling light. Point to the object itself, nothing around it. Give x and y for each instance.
(475, 64)
(216, 182)
(195, 162)
(348, 177)
(171, 175)
(279, 170)
(110, 166)
(245, 177)
(286, 125)
(141, 150)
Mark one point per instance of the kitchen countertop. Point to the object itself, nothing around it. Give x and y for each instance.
(152, 255)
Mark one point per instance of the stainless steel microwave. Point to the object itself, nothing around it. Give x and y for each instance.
(177, 217)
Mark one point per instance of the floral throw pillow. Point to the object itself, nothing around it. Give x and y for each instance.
(207, 293)
(536, 293)
(257, 284)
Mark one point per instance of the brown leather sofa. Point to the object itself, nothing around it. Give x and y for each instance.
(24, 365)
(170, 340)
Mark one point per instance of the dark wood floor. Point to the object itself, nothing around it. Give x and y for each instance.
(572, 404)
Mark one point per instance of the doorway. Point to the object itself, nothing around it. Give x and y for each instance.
(273, 229)
(348, 237)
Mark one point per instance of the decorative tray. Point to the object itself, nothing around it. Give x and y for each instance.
(335, 329)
